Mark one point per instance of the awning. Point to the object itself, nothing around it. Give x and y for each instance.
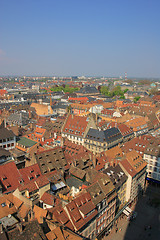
(58, 186)
(126, 212)
(128, 209)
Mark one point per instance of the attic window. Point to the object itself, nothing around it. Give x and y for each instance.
(31, 171)
(3, 204)
(51, 170)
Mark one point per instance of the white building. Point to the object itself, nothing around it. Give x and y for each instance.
(152, 157)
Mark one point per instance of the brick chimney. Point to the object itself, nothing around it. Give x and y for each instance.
(19, 226)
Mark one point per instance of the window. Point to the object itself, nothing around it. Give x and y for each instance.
(3, 204)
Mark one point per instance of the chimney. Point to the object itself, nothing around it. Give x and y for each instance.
(5, 125)
(94, 160)
(19, 226)
(96, 118)
(1, 227)
(50, 101)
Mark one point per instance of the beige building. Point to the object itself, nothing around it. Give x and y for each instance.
(135, 169)
(98, 141)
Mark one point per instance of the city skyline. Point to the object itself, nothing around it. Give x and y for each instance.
(90, 38)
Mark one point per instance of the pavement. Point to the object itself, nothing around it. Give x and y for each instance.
(146, 225)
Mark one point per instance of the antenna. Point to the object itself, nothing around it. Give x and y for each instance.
(125, 76)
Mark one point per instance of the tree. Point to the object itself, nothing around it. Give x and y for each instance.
(125, 90)
(135, 100)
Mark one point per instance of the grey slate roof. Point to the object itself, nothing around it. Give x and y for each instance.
(19, 118)
(5, 133)
(116, 175)
(109, 135)
(72, 181)
(137, 93)
(4, 152)
(88, 89)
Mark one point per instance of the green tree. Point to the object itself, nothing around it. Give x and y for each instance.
(135, 100)
(125, 90)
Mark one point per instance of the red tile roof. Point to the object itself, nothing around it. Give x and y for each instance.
(49, 199)
(139, 144)
(31, 186)
(10, 176)
(31, 172)
(81, 205)
(75, 125)
(61, 216)
(127, 166)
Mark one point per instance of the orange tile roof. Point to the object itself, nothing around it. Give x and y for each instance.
(24, 210)
(137, 122)
(9, 204)
(136, 161)
(39, 213)
(114, 152)
(42, 109)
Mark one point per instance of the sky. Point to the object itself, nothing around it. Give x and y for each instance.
(80, 38)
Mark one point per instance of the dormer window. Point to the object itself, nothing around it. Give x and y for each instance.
(31, 178)
(3, 204)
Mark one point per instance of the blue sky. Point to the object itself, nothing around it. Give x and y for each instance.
(80, 37)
